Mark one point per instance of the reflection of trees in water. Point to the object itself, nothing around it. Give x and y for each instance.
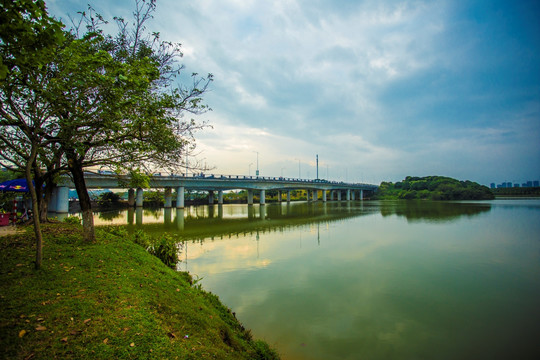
(153, 211)
(111, 215)
(208, 222)
(432, 211)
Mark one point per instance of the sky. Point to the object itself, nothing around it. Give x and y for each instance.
(379, 90)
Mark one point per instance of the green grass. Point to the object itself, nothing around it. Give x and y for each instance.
(109, 300)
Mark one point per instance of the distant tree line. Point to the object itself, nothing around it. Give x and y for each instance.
(517, 191)
(433, 188)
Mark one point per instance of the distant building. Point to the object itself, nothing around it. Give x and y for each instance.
(516, 185)
(536, 183)
(492, 185)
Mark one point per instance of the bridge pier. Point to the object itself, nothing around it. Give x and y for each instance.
(168, 198)
(279, 196)
(210, 197)
(315, 195)
(288, 196)
(220, 197)
(180, 197)
(250, 197)
(262, 197)
(353, 195)
(62, 200)
(324, 195)
(339, 195)
(139, 198)
(348, 194)
(332, 195)
(361, 194)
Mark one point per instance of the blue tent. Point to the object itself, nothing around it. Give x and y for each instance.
(17, 185)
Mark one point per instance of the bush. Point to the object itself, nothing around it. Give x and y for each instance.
(74, 220)
(108, 199)
(141, 238)
(166, 249)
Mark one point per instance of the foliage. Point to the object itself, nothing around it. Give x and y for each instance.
(109, 300)
(166, 249)
(154, 197)
(433, 188)
(108, 199)
(82, 98)
(517, 191)
(73, 220)
(141, 238)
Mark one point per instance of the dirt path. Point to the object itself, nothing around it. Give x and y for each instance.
(9, 230)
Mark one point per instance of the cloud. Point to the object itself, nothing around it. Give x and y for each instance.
(370, 86)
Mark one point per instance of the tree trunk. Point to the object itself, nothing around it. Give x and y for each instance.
(33, 195)
(44, 206)
(84, 199)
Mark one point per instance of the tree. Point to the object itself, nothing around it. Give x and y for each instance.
(28, 39)
(94, 99)
(116, 102)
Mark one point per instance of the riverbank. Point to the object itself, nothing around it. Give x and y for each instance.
(110, 299)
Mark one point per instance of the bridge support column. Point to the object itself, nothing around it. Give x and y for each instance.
(210, 198)
(308, 195)
(349, 195)
(131, 197)
(353, 195)
(220, 197)
(279, 195)
(62, 202)
(315, 195)
(339, 195)
(324, 196)
(250, 197)
(139, 198)
(332, 195)
(361, 194)
(262, 197)
(180, 197)
(288, 196)
(168, 198)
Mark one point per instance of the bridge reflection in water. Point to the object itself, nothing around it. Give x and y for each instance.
(198, 222)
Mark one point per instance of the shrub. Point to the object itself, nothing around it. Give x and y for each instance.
(74, 220)
(166, 249)
(141, 238)
(108, 199)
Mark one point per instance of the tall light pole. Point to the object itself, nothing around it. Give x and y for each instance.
(257, 173)
(317, 156)
(249, 171)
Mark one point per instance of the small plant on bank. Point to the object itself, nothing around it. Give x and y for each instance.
(73, 220)
(141, 238)
(166, 249)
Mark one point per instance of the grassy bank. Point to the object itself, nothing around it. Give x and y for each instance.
(109, 300)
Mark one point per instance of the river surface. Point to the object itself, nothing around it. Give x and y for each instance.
(369, 280)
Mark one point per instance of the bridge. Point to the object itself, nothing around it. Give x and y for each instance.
(214, 185)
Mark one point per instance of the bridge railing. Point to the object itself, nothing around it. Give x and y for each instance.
(237, 177)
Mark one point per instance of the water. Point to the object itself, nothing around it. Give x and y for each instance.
(370, 280)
